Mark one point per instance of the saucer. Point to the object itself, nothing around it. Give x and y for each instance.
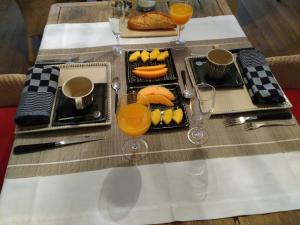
(232, 78)
(65, 112)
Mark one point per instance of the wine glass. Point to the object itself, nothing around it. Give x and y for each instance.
(201, 108)
(134, 120)
(180, 12)
(116, 20)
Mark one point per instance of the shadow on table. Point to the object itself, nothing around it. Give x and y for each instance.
(120, 192)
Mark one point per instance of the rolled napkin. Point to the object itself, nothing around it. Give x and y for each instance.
(37, 96)
(261, 84)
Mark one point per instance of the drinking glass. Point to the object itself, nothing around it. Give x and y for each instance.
(116, 20)
(201, 108)
(180, 12)
(134, 120)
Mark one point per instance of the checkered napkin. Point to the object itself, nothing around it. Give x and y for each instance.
(37, 96)
(261, 84)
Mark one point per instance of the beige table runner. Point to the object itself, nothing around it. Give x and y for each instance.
(164, 146)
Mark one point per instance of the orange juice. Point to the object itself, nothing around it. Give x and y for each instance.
(180, 13)
(134, 119)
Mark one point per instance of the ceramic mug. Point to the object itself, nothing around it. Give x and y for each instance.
(80, 90)
(218, 62)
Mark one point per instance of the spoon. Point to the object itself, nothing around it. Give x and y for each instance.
(96, 114)
(116, 85)
(187, 94)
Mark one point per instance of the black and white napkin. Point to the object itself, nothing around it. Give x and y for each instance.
(37, 96)
(261, 84)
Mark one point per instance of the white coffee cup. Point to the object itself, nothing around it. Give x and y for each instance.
(80, 90)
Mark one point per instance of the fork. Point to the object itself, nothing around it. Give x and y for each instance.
(267, 116)
(256, 125)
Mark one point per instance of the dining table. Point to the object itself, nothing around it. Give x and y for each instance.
(238, 177)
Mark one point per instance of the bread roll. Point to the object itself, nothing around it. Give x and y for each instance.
(151, 21)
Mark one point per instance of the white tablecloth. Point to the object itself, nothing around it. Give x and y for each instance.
(156, 193)
(83, 35)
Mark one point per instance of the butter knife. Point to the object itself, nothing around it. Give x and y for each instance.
(22, 149)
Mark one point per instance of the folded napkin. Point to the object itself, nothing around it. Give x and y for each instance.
(261, 84)
(37, 96)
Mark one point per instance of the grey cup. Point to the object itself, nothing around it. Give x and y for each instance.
(218, 62)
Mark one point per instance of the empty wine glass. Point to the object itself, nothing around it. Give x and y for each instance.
(116, 20)
(201, 108)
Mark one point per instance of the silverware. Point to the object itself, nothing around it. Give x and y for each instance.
(187, 94)
(96, 114)
(116, 85)
(63, 61)
(256, 125)
(266, 116)
(22, 149)
(58, 61)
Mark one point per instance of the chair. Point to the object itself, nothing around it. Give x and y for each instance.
(35, 14)
(286, 70)
(10, 90)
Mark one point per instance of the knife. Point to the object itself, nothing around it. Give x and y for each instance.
(22, 149)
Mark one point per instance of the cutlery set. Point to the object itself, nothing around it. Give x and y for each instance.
(256, 125)
(261, 120)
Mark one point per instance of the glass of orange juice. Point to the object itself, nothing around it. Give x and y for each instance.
(134, 120)
(180, 12)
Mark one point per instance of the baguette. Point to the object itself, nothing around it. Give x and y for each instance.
(151, 21)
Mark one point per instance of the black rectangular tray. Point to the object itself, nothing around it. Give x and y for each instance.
(133, 80)
(64, 108)
(232, 79)
(178, 103)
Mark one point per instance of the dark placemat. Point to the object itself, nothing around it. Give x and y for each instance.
(64, 110)
(132, 80)
(178, 103)
(231, 80)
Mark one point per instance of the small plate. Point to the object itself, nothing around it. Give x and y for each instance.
(231, 80)
(64, 109)
(175, 89)
(132, 80)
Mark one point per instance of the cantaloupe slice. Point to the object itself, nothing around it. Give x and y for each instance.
(150, 68)
(151, 74)
(155, 99)
(159, 90)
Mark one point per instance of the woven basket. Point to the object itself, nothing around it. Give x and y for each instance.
(287, 70)
(11, 86)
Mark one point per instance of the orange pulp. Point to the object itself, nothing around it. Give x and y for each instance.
(134, 119)
(180, 13)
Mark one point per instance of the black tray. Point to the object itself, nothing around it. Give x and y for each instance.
(231, 80)
(64, 108)
(132, 80)
(175, 89)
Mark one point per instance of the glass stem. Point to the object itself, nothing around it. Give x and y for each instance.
(179, 33)
(118, 40)
(135, 145)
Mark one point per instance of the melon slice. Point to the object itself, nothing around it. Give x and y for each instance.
(155, 99)
(157, 90)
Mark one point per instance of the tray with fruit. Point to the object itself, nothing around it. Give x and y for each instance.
(152, 66)
(167, 109)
